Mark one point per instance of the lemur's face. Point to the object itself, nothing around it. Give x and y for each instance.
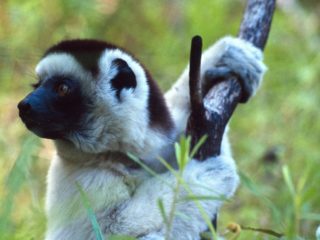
(95, 96)
(55, 108)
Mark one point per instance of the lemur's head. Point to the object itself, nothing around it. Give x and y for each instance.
(96, 96)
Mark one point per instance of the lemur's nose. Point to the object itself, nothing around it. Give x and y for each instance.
(24, 106)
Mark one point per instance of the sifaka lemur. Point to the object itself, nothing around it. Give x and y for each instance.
(98, 103)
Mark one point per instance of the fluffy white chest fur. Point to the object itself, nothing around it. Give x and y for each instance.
(107, 185)
(125, 201)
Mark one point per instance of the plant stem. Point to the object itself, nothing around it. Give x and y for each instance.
(173, 205)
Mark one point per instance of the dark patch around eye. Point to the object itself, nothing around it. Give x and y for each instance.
(125, 77)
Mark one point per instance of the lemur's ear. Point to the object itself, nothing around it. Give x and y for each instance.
(124, 77)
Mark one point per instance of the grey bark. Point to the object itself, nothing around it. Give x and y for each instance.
(211, 113)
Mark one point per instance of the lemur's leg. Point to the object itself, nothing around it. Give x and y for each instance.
(214, 177)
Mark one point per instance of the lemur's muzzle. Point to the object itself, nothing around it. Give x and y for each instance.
(25, 112)
(35, 114)
(24, 107)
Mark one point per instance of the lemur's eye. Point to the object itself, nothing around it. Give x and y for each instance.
(63, 90)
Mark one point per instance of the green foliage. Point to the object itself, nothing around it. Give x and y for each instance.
(184, 154)
(91, 214)
(280, 194)
(19, 172)
(17, 178)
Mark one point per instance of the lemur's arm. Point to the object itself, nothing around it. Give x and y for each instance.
(228, 55)
(215, 176)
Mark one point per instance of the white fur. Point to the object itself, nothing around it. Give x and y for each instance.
(64, 64)
(318, 233)
(130, 117)
(134, 195)
(124, 199)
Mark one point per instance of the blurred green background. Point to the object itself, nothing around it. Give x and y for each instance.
(275, 136)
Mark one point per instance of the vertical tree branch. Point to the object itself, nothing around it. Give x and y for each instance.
(214, 112)
(256, 22)
(211, 115)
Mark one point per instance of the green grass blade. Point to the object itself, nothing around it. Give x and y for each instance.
(20, 170)
(198, 145)
(203, 198)
(163, 212)
(255, 190)
(17, 177)
(177, 148)
(91, 215)
(168, 166)
(144, 166)
(288, 180)
(148, 169)
(182, 150)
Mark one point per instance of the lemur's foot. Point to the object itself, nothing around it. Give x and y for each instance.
(242, 58)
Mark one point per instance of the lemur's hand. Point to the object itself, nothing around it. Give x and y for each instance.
(233, 56)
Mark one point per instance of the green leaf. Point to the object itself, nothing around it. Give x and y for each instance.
(20, 170)
(254, 189)
(17, 177)
(182, 150)
(288, 180)
(144, 166)
(198, 145)
(202, 198)
(149, 170)
(167, 165)
(91, 215)
(249, 184)
(177, 148)
(162, 211)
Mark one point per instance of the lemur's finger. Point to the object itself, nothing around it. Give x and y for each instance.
(215, 75)
(218, 72)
